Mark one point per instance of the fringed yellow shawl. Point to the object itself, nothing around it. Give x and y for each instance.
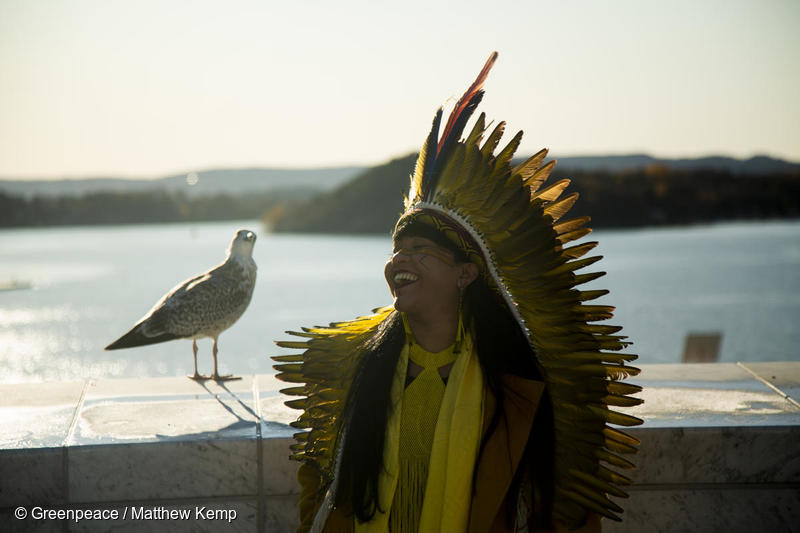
(422, 400)
(446, 502)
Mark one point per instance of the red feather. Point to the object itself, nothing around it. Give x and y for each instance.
(465, 99)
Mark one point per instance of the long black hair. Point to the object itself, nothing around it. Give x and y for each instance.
(501, 347)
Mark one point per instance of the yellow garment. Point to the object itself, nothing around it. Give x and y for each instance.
(421, 401)
(446, 503)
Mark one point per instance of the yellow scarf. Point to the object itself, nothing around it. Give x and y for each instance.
(421, 402)
(456, 439)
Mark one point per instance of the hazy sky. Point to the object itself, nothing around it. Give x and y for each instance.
(145, 88)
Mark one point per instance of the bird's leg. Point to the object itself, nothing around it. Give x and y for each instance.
(217, 377)
(196, 375)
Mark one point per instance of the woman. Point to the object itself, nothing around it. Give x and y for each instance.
(479, 400)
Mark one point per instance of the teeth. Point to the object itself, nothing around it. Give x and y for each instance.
(405, 276)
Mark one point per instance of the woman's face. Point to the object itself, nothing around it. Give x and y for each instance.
(425, 278)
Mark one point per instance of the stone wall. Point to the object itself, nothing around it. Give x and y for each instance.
(720, 452)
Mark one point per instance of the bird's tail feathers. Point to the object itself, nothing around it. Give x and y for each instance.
(135, 337)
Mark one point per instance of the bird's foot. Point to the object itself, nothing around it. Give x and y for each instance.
(227, 377)
(199, 377)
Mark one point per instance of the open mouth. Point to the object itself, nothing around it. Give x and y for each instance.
(401, 279)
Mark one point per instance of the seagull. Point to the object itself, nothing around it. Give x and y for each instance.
(202, 306)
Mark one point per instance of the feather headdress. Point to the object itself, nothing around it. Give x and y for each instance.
(511, 225)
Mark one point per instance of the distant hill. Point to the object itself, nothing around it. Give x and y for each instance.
(757, 165)
(617, 191)
(370, 203)
(208, 182)
(258, 180)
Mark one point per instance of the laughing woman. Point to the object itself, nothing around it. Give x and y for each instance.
(479, 400)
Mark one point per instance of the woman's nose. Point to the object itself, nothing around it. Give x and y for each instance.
(400, 255)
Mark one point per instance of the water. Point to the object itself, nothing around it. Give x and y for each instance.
(742, 280)
(90, 285)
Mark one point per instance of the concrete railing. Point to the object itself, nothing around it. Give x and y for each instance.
(720, 449)
(720, 452)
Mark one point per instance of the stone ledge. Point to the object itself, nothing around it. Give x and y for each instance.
(720, 450)
(148, 443)
(710, 509)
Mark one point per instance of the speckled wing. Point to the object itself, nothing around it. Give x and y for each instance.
(204, 305)
(322, 374)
